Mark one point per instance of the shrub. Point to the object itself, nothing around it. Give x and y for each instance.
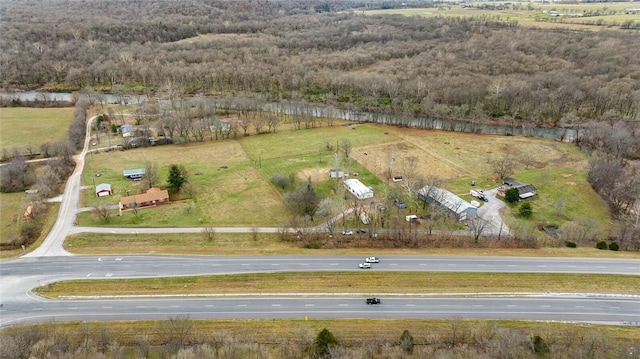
(406, 342)
(539, 346)
(570, 244)
(602, 245)
(325, 341)
(614, 246)
(525, 210)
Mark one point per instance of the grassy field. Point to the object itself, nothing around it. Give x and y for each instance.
(348, 282)
(233, 196)
(11, 207)
(270, 244)
(533, 15)
(22, 127)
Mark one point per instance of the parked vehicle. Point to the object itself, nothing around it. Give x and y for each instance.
(373, 300)
(372, 260)
(361, 231)
(347, 233)
(364, 265)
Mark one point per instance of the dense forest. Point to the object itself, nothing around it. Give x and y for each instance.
(326, 52)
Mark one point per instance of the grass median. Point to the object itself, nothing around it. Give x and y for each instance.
(377, 283)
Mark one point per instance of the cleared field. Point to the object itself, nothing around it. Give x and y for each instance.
(533, 15)
(375, 283)
(22, 127)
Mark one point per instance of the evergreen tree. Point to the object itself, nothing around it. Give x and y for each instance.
(177, 178)
(526, 210)
(512, 195)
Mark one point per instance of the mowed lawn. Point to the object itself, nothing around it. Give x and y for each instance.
(21, 127)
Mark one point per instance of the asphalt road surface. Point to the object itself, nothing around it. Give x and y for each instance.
(19, 276)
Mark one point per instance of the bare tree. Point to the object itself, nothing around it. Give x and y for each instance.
(478, 227)
(346, 147)
(209, 233)
(503, 166)
(150, 178)
(103, 212)
(176, 332)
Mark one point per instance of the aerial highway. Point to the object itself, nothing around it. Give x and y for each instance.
(20, 276)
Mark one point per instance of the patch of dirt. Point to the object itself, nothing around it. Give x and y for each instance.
(567, 175)
(570, 183)
(316, 174)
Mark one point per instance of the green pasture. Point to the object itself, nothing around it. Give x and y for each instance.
(232, 179)
(22, 127)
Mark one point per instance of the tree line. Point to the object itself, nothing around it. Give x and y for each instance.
(180, 337)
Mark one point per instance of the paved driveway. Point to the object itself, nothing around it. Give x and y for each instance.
(490, 213)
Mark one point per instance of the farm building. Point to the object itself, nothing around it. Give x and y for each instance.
(358, 188)
(447, 202)
(153, 197)
(127, 130)
(525, 190)
(133, 174)
(334, 173)
(103, 190)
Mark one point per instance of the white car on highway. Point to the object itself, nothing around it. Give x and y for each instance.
(372, 260)
(364, 265)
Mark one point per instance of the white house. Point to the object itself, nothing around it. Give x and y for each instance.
(358, 188)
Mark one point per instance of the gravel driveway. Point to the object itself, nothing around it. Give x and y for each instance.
(490, 212)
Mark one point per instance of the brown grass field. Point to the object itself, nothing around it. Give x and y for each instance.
(375, 283)
(350, 332)
(270, 244)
